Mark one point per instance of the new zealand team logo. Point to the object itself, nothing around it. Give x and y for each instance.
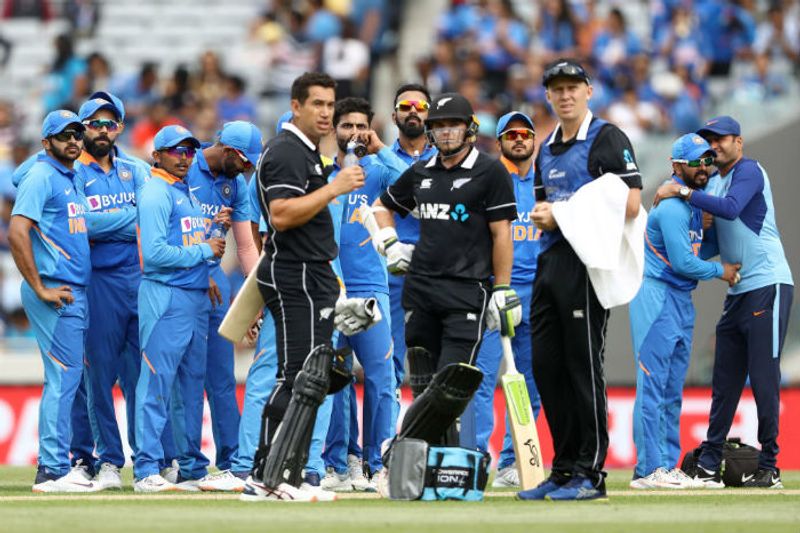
(459, 213)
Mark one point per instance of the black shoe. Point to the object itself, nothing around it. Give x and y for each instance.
(763, 479)
(711, 479)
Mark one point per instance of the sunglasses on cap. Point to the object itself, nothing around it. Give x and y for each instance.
(247, 163)
(694, 163)
(518, 133)
(178, 151)
(98, 124)
(406, 105)
(66, 135)
(565, 69)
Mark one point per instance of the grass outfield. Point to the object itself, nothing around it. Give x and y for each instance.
(727, 511)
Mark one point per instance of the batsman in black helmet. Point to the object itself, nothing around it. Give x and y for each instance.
(458, 275)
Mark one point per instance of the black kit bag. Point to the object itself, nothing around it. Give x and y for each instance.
(739, 462)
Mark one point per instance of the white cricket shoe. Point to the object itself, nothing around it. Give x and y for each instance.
(256, 491)
(81, 469)
(319, 494)
(686, 481)
(358, 480)
(658, 479)
(154, 483)
(337, 482)
(171, 472)
(381, 481)
(222, 481)
(109, 477)
(74, 481)
(507, 477)
(188, 485)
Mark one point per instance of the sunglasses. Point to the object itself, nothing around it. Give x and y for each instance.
(66, 135)
(98, 124)
(178, 151)
(520, 133)
(406, 105)
(694, 163)
(564, 69)
(247, 163)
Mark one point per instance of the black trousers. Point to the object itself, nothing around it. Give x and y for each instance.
(445, 316)
(568, 327)
(301, 298)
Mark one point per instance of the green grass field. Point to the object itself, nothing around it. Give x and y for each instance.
(727, 511)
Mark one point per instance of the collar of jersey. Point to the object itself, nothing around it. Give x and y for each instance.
(514, 169)
(677, 180)
(583, 131)
(56, 165)
(467, 163)
(302, 136)
(88, 159)
(164, 175)
(202, 164)
(400, 150)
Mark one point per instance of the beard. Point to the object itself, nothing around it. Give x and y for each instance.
(229, 169)
(516, 156)
(342, 143)
(95, 150)
(412, 131)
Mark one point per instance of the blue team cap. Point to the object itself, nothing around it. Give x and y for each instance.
(508, 117)
(102, 100)
(170, 136)
(243, 136)
(690, 147)
(286, 117)
(722, 125)
(57, 121)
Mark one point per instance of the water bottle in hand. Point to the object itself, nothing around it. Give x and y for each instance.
(350, 158)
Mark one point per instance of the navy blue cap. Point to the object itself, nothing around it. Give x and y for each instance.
(170, 136)
(564, 68)
(57, 121)
(690, 147)
(243, 136)
(722, 125)
(508, 117)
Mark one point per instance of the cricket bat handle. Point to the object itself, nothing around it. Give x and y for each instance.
(508, 354)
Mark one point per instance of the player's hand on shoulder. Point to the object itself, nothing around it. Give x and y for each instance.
(217, 246)
(668, 190)
(348, 179)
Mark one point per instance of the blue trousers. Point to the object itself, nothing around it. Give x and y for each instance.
(750, 338)
(662, 322)
(373, 348)
(220, 382)
(60, 334)
(173, 326)
(398, 324)
(258, 387)
(477, 421)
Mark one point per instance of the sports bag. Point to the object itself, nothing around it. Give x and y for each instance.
(739, 462)
(417, 471)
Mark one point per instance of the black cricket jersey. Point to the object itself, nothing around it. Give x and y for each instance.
(455, 207)
(290, 167)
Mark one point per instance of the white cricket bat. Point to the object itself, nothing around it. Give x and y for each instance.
(368, 219)
(523, 425)
(244, 309)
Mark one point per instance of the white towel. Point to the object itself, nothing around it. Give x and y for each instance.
(611, 246)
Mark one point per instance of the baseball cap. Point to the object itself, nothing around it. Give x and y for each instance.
(564, 68)
(286, 117)
(102, 100)
(243, 136)
(722, 125)
(690, 147)
(56, 121)
(170, 136)
(450, 106)
(508, 117)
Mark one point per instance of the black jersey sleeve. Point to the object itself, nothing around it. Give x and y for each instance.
(500, 201)
(612, 152)
(283, 173)
(538, 188)
(399, 197)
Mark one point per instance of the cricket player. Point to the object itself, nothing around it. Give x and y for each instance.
(50, 246)
(215, 178)
(515, 138)
(755, 317)
(174, 312)
(662, 319)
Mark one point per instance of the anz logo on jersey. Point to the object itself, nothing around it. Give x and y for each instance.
(433, 211)
(193, 230)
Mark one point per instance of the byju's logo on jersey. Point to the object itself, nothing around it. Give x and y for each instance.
(459, 213)
(94, 202)
(186, 224)
(111, 201)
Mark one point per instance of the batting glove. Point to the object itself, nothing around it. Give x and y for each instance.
(505, 310)
(354, 315)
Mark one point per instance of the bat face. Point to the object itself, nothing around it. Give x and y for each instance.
(523, 430)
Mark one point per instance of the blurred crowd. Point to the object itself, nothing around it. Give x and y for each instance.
(654, 74)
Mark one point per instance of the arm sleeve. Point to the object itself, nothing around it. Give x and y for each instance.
(252, 193)
(538, 188)
(241, 204)
(675, 231)
(117, 225)
(155, 208)
(245, 247)
(393, 166)
(32, 194)
(500, 201)
(746, 183)
(399, 197)
(282, 174)
(612, 152)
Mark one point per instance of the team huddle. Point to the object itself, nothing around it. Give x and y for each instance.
(426, 253)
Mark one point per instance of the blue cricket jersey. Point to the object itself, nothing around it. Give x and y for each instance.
(408, 227)
(744, 225)
(48, 196)
(523, 231)
(172, 232)
(673, 241)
